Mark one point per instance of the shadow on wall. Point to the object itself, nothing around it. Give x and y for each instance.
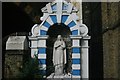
(14, 19)
(93, 19)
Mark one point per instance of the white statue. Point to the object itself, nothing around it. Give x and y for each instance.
(59, 56)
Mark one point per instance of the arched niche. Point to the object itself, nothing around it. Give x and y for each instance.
(56, 15)
(53, 32)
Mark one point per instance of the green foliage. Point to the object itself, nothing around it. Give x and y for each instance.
(31, 69)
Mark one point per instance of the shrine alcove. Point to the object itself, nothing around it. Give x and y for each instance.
(53, 32)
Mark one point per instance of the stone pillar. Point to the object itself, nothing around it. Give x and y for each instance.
(42, 53)
(38, 47)
(16, 53)
(76, 57)
(85, 57)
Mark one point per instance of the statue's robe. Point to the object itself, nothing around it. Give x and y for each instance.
(59, 57)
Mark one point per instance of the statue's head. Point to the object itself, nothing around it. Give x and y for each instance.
(59, 37)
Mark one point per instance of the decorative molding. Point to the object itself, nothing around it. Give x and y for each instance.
(59, 12)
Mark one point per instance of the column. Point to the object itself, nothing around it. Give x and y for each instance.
(42, 54)
(85, 57)
(76, 60)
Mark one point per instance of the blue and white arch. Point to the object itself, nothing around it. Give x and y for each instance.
(66, 19)
(61, 12)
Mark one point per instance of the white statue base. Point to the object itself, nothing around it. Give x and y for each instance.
(59, 77)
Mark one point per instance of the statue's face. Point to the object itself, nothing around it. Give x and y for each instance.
(59, 37)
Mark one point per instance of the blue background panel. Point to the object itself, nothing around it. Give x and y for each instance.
(54, 18)
(42, 32)
(76, 72)
(64, 18)
(75, 32)
(46, 24)
(71, 24)
(75, 61)
(42, 50)
(42, 61)
(75, 50)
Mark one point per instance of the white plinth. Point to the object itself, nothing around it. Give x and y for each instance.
(59, 77)
(17, 43)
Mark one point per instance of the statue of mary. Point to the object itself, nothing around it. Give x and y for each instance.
(59, 56)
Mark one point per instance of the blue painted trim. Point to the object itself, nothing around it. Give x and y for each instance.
(64, 7)
(76, 72)
(46, 24)
(75, 50)
(64, 18)
(54, 7)
(42, 50)
(75, 61)
(71, 24)
(42, 61)
(75, 32)
(42, 32)
(54, 18)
